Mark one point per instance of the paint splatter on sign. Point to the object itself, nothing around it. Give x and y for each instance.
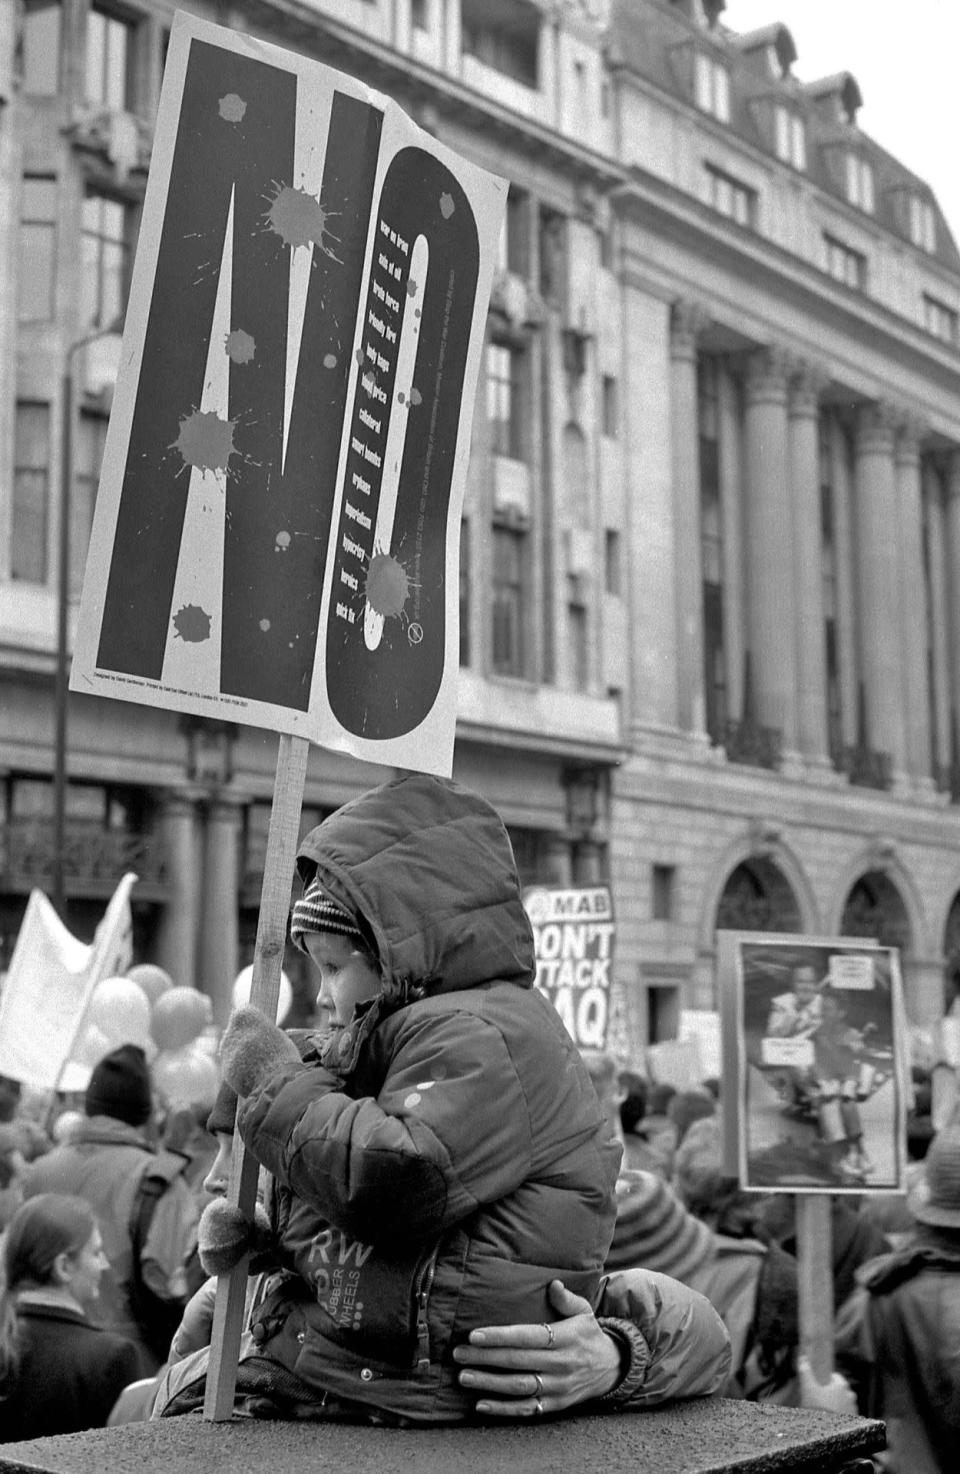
(264, 625)
(330, 360)
(447, 206)
(232, 108)
(192, 623)
(240, 346)
(283, 542)
(205, 440)
(299, 219)
(387, 585)
(415, 397)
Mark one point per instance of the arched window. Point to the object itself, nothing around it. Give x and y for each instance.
(758, 897)
(875, 908)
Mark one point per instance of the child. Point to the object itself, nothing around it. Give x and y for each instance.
(438, 1154)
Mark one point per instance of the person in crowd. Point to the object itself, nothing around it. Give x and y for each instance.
(11, 1186)
(904, 1325)
(18, 1131)
(686, 1107)
(638, 1152)
(59, 1372)
(146, 1211)
(438, 1146)
(752, 1288)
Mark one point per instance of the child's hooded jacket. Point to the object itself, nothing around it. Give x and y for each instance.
(442, 1158)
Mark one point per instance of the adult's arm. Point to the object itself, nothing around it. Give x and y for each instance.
(655, 1340)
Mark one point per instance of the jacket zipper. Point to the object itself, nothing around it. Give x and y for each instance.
(424, 1282)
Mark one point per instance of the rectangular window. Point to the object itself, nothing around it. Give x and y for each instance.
(712, 87)
(464, 591)
(106, 252)
(611, 407)
(503, 401)
(91, 434)
(860, 183)
(109, 68)
(509, 557)
(40, 53)
(505, 37)
(513, 252)
(577, 633)
(553, 255)
(939, 319)
(844, 264)
(37, 270)
(613, 563)
(662, 888)
(790, 137)
(923, 225)
(730, 197)
(31, 492)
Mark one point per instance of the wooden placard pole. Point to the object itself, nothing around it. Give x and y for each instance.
(815, 1283)
(264, 992)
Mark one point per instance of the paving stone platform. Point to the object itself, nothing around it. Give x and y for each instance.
(709, 1436)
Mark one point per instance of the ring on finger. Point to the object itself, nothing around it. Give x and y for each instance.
(549, 1331)
(539, 1381)
(538, 1409)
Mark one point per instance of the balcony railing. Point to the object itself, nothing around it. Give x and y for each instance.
(93, 857)
(865, 767)
(748, 742)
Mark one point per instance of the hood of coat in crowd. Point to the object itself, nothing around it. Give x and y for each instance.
(428, 868)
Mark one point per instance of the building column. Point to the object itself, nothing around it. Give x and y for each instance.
(939, 614)
(686, 320)
(650, 532)
(911, 584)
(804, 430)
(952, 481)
(771, 570)
(731, 515)
(558, 860)
(879, 571)
(177, 939)
(842, 478)
(219, 939)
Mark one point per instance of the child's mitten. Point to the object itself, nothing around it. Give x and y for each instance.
(225, 1235)
(251, 1049)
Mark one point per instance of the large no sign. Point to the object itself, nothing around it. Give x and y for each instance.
(277, 530)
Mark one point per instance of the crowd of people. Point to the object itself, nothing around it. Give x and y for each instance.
(460, 1215)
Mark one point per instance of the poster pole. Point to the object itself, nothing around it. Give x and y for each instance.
(264, 993)
(815, 1283)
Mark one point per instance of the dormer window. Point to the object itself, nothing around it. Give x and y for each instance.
(712, 86)
(923, 225)
(860, 183)
(790, 137)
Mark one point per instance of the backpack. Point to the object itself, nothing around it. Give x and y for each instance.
(158, 1318)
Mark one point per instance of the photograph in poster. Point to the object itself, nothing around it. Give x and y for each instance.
(819, 1049)
(276, 535)
(573, 937)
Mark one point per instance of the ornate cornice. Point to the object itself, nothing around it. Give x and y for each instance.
(768, 372)
(687, 320)
(807, 383)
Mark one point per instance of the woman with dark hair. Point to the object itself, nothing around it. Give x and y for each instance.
(59, 1373)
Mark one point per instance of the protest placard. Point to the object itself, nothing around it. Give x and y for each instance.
(276, 535)
(573, 932)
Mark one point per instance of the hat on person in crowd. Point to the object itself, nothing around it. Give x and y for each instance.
(655, 1231)
(939, 1203)
(120, 1087)
(222, 1118)
(317, 910)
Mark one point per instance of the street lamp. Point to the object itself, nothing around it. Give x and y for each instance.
(63, 609)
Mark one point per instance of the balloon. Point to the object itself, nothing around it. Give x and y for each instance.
(186, 1077)
(66, 1125)
(178, 1017)
(152, 979)
(119, 1008)
(243, 983)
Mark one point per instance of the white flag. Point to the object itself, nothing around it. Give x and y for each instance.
(49, 984)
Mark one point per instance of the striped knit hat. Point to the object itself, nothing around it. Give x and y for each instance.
(654, 1229)
(317, 910)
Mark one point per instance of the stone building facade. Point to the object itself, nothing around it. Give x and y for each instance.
(710, 581)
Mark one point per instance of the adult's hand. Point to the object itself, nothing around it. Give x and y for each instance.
(521, 1371)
